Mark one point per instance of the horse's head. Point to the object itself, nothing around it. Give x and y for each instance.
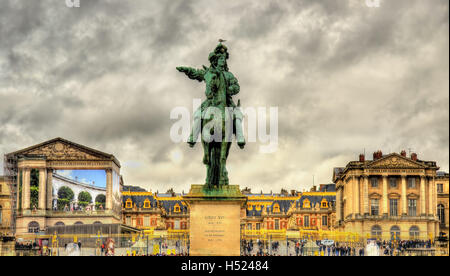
(212, 81)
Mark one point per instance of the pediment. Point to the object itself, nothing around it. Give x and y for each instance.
(60, 149)
(395, 161)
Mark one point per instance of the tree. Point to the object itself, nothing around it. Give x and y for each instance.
(65, 193)
(100, 199)
(84, 197)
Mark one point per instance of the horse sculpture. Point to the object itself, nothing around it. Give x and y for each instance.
(218, 118)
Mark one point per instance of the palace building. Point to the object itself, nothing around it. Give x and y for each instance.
(265, 216)
(442, 180)
(390, 196)
(30, 173)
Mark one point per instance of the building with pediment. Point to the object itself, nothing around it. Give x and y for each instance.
(390, 196)
(43, 160)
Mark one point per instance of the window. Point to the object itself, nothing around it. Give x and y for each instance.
(147, 203)
(276, 208)
(128, 220)
(0, 188)
(59, 223)
(33, 227)
(440, 188)
(376, 231)
(324, 220)
(177, 224)
(374, 207)
(440, 212)
(306, 203)
(1, 221)
(146, 221)
(306, 221)
(374, 182)
(128, 203)
(176, 209)
(395, 233)
(412, 183)
(258, 226)
(393, 182)
(249, 226)
(277, 224)
(412, 207)
(324, 203)
(414, 233)
(393, 204)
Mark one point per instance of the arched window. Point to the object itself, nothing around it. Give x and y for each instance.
(276, 208)
(97, 222)
(440, 211)
(395, 233)
(306, 203)
(414, 233)
(376, 231)
(176, 208)
(78, 223)
(59, 223)
(324, 203)
(33, 227)
(146, 203)
(128, 203)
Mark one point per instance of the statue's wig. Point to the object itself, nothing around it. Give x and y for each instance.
(221, 50)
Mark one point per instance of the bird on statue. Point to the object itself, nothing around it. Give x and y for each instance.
(221, 40)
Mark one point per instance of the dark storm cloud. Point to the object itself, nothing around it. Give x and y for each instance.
(345, 77)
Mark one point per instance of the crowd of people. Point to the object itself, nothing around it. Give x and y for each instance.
(331, 248)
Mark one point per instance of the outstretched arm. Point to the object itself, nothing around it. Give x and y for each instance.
(192, 73)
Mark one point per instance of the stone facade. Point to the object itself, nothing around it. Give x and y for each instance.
(262, 216)
(59, 154)
(442, 180)
(5, 208)
(391, 196)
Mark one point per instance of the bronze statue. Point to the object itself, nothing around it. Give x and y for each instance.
(218, 117)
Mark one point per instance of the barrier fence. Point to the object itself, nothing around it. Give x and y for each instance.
(253, 242)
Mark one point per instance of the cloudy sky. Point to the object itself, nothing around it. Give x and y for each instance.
(344, 76)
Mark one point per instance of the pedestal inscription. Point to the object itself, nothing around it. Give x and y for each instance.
(215, 221)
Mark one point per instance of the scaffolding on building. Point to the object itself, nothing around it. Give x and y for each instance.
(11, 175)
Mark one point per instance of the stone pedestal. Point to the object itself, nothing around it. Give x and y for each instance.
(215, 217)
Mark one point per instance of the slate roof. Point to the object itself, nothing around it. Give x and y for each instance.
(314, 199)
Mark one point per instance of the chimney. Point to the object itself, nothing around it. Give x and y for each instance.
(414, 156)
(377, 155)
(403, 153)
(362, 158)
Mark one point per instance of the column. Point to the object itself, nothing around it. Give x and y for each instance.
(49, 179)
(422, 195)
(366, 195)
(356, 196)
(108, 204)
(404, 201)
(431, 206)
(338, 205)
(434, 188)
(385, 195)
(26, 189)
(42, 189)
(19, 193)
